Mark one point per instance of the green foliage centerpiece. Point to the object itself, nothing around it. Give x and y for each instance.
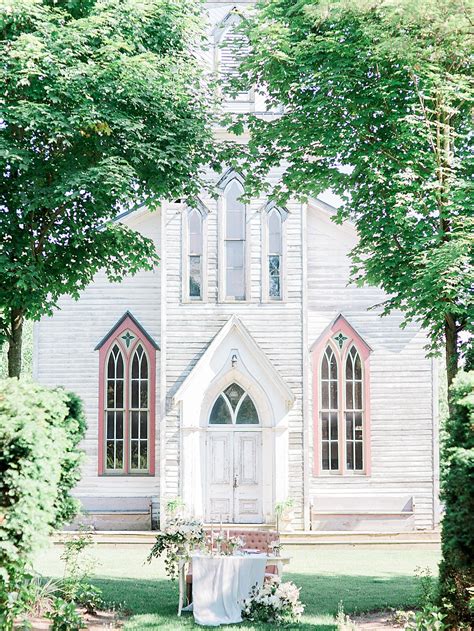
(177, 542)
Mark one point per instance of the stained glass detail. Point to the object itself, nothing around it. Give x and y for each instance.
(340, 338)
(128, 338)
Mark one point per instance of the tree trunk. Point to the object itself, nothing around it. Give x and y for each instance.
(451, 348)
(14, 342)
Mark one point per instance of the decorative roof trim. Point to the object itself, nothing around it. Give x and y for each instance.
(234, 16)
(233, 323)
(126, 315)
(200, 206)
(227, 177)
(272, 205)
(333, 328)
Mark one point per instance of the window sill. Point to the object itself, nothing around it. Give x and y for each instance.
(122, 474)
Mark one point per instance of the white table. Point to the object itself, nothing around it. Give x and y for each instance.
(270, 559)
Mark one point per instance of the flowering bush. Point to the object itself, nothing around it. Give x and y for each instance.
(274, 602)
(180, 539)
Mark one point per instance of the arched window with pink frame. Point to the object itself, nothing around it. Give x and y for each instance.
(341, 401)
(127, 393)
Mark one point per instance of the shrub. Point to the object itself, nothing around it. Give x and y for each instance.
(38, 438)
(65, 617)
(457, 492)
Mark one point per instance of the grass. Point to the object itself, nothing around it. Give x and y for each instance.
(365, 578)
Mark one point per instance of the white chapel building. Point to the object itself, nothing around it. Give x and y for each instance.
(245, 370)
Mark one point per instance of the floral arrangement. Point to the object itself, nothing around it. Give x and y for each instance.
(180, 539)
(274, 602)
(233, 544)
(275, 547)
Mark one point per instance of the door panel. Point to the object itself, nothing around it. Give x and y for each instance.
(234, 476)
(248, 477)
(220, 476)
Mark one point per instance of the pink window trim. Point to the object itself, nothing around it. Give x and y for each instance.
(340, 325)
(127, 324)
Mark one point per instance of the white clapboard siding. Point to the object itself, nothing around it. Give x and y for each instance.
(400, 375)
(64, 355)
(276, 327)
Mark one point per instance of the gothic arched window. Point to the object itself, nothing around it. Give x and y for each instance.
(341, 401)
(127, 400)
(234, 407)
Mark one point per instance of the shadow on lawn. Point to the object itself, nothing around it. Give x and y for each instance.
(153, 603)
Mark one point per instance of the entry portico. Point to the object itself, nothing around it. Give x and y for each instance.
(234, 468)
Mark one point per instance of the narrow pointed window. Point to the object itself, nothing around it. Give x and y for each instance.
(234, 242)
(353, 413)
(115, 411)
(195, 263)
(329, 411)
(233, 48)
(275, 252)
(139, 410)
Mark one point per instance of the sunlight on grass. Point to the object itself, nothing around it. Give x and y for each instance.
(365, 578)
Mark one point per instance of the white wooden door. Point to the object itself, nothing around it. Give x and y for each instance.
(247, 477)
(220, 476)
(234, 477)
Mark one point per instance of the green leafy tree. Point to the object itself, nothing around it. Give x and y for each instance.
(103, 106)
(457, 566)
(377, 105)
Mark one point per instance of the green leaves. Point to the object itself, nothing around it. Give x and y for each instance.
(104, 105)
(377, 107)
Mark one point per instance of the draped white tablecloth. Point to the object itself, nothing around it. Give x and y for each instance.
(221, 583)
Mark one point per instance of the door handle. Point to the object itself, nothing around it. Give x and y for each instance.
(236, 481)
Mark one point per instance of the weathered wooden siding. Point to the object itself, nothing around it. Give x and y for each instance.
(190, 327)
(401, 377)
(64, 355)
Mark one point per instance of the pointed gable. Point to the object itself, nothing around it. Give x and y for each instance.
(127, 321)
(235, 345)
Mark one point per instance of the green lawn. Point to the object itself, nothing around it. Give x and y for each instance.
(365, 578)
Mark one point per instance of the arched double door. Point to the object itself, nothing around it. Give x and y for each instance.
(234, 459)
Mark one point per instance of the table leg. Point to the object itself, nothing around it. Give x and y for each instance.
(182, 584)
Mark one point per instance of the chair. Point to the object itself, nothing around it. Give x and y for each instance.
(254, 540)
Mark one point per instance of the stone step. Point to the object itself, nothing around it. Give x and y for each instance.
(287, 538)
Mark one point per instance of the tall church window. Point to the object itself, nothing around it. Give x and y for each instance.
(329, 411)
(341, 401)
(233, 47)
(127, 400)
(353, 411)
(115, 410)
(275, 254)
(234, 241)
(195, 256)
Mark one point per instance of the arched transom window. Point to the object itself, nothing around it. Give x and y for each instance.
(126, 400)
(341, 401)
(234, 407)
